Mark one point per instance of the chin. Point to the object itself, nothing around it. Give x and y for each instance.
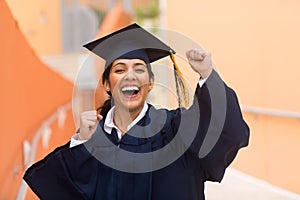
(135, 106)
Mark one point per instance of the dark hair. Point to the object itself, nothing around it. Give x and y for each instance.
(103, 110)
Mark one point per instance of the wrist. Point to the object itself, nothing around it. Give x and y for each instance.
(205, 74)
(80, 138)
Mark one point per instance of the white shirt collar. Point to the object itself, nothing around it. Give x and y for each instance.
(109, 120)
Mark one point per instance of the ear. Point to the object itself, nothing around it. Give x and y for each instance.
(106, 85)
(151, 83)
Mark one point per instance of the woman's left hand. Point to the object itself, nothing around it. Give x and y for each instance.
(200, 61)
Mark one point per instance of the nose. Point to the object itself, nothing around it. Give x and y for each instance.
(130, 75)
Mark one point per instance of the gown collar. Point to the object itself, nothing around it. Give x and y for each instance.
(109, 124)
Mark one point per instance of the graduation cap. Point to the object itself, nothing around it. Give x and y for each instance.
(130, 42)
(134, 42)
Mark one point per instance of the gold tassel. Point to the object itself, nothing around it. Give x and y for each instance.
(181, 88)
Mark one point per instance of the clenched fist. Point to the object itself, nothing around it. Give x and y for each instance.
(89, 121)
(200, 61)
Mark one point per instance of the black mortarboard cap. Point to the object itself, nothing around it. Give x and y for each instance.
(130, 42)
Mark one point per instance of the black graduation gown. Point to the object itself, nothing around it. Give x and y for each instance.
(75, 173)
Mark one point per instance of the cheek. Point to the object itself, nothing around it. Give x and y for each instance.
(113, 81)
(144, 79)
(146, 86)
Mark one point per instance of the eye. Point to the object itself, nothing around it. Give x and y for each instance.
(119, 71)
(140, 70)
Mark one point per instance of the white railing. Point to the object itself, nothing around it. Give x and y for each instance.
(43, 133)
(271, 112)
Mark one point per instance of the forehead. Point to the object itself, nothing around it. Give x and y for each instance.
(128, 61)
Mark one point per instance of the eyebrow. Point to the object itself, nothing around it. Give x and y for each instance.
(135, 64)
(118, 63)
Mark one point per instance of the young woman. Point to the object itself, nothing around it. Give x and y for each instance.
(133, 151)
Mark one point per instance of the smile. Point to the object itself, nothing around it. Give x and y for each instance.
(130, 91)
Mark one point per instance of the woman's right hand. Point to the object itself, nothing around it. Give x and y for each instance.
(89, 121)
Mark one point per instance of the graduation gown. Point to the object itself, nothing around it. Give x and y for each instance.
(76, 173)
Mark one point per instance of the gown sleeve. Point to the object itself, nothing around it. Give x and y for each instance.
(57, 175)
(234, 134)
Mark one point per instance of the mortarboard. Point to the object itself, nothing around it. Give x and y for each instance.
(130, 42)
(135, 42)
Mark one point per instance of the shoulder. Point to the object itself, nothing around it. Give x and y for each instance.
(164, 119)
(160, 113)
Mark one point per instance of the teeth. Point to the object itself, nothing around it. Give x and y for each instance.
(129, 88)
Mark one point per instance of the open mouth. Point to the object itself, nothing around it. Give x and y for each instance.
(130, 91)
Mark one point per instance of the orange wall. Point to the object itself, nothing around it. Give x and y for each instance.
(255, 46)
(40, 22)
(30, 93)
(273, 153)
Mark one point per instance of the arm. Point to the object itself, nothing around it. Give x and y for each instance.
(63, 174)
(222, 130)
(53, 177)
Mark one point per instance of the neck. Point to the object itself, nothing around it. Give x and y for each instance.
(124, 117)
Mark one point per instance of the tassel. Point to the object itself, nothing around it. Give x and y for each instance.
(181, 89)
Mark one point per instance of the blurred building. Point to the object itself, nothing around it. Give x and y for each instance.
(62, 26)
